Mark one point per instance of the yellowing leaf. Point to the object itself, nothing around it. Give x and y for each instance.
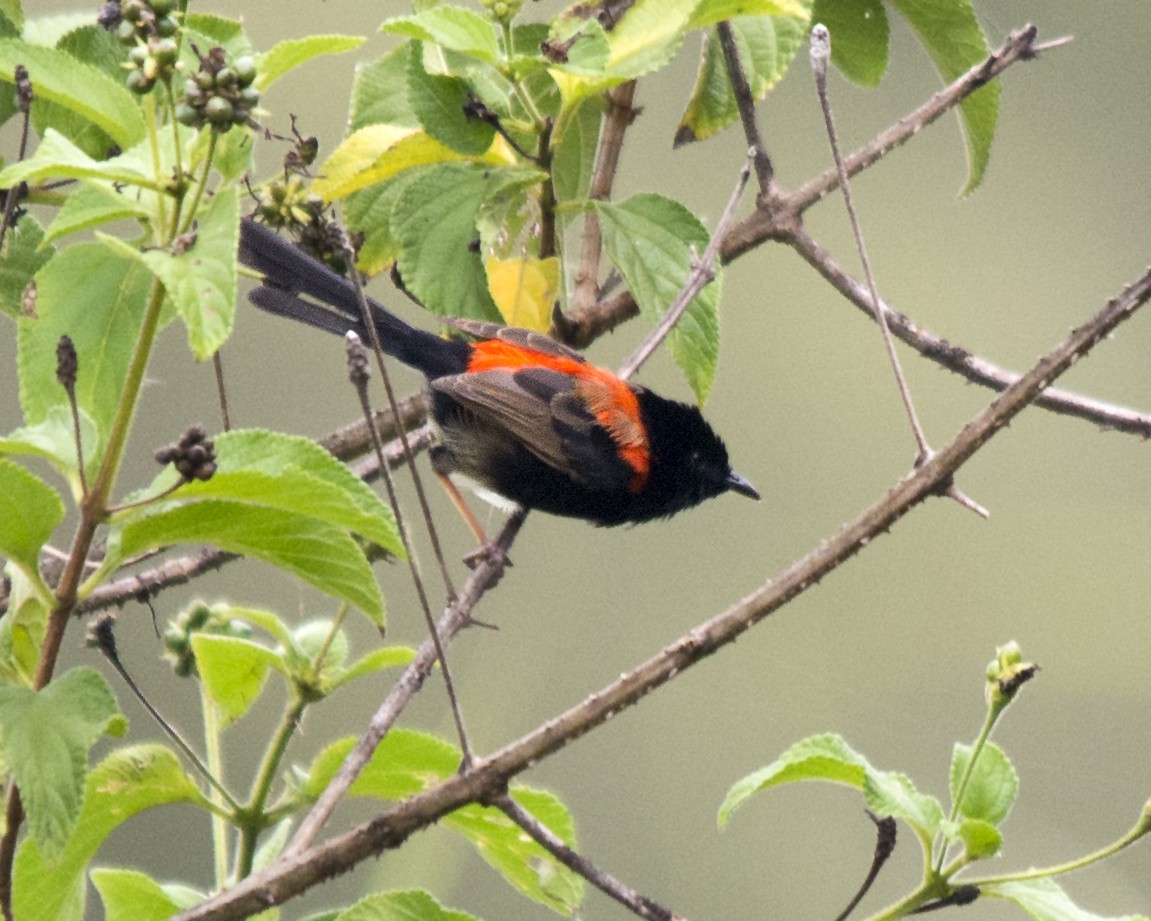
(378, 152)
(524, 289)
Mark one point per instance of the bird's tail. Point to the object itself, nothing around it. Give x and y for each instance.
(289, 272)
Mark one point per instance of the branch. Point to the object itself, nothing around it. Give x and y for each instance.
(637, 904)
(299, 870)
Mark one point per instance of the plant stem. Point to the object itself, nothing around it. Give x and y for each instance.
(255, 819)
(994, 710)
(215, 759)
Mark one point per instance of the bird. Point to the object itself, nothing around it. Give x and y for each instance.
(515, 411)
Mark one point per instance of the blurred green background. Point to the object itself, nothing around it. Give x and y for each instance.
(889, 650)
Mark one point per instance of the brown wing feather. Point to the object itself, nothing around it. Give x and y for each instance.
(542, 410)
(526, 338)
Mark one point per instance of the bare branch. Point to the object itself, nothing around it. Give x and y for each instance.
(298, 870)
(745, 102)
(639, 905)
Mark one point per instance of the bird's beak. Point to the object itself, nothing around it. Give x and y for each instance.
(738, 484)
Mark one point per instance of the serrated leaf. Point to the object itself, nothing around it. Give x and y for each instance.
(45, 743)
(859, 37)
(524, 289)
(85, 41)
(452, 27)
(370, 211)
(439, 101)
(767, 46)
(103, 325)
(132, 896)
(374, 154)
(297, 475)
(232, 670)
(992, 786)
(650, 240)
(401, 905)
(889, 793)
(22, 629)
(92, 206)
(24, 255)
(81, 88)
(434, 222)
(201, 280)
(1044, 900)
(314, 638)
(980, 839)
(13, 11)
(30, 510)
(58, 158)
(125, 783)
(287, 55)
(829, 758)
(321, 554)
(951, 34)
(709, 12)
(380, 91)
(54, 441)
(407, 762)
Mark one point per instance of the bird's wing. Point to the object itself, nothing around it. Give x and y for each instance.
(548, 413)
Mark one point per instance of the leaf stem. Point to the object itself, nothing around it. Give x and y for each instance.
(215, 759)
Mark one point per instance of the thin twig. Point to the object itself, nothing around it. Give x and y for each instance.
(885, 835)
(745, 103)
(456, 617)
(820, 55)
(299, 870)
(24, 97)
(358, 373)
(620, 114)
(701, 274)
(639, 905)
(221, 391)
(377, 348)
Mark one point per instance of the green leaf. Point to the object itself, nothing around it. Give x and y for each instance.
(103, 325)
(375, 661)
(1043, 900)
(13, 11)
(710, 12)
(58, 158)
(54, 441)
(93, 206)
(434, 222)
(452, 27)
(232, 670)
(125, 783)
(438, 102)
(401, 905)
(78, 87)
(951, 34)
(132, 896)
(992, 787)
(201, 280)
(515, 856)
(574, 158)
(45, 743)
(829, 758)
(311, 639)
(96, 47)
(286, 56)
(980, 839)
(22, 258)
(648, 36)
(22, 629)
(370, 211)
(407, 762)
(767, 46)
(649, 239)
(309, 481)
(859, 37)
(380, 90)
(207, 29)
(29, 512)
(321, 554)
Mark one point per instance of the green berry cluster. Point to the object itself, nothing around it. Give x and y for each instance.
(287, 203)
(220, 93)
(199, 618)
(157, 59)
(136, 21)
(502, 10)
